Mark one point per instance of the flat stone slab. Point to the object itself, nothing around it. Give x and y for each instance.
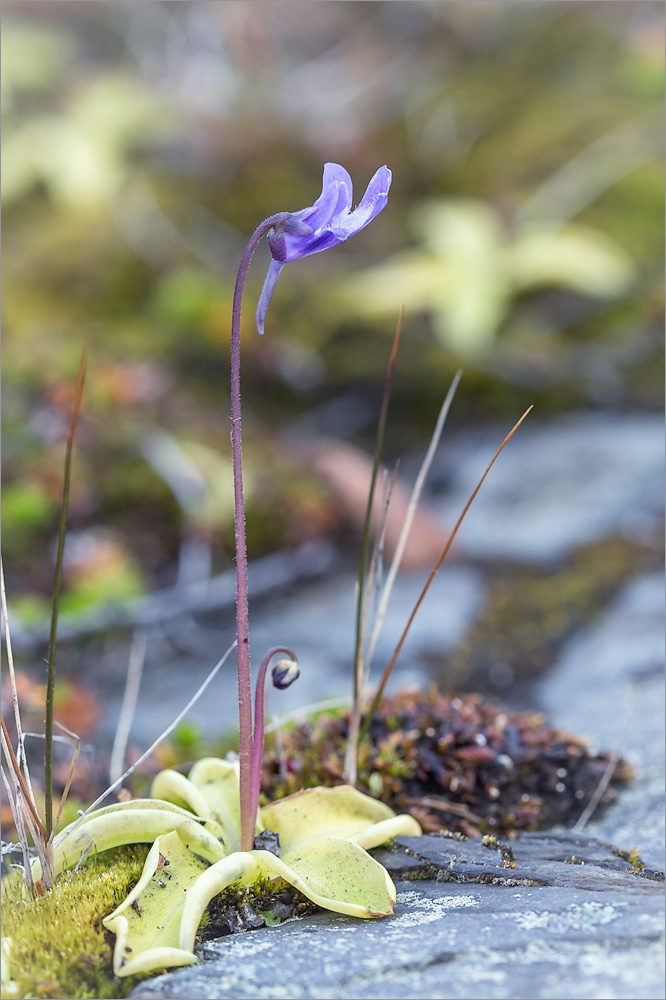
(553, 915)
(559, 484)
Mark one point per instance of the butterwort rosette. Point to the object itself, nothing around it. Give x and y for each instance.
(325, 224)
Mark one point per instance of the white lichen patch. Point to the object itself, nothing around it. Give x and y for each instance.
(575, 917)
(424, 911)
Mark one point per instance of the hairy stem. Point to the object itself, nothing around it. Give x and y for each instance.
(242, 617)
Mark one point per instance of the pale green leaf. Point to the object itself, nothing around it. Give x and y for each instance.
(576, 257)
(147, 924)
(337, 875)
(141, 823)
(342, 811)
(217, 781)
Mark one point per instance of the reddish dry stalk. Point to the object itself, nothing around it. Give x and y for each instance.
(19, 777)
(433, 572)
(62, 529)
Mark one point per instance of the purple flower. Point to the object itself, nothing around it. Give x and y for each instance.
(325, 224)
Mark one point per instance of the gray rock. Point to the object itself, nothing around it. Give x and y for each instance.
(576, 479)
(608, 686)
(316, 620)
(571, 920)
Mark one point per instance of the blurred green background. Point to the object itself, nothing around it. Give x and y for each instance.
(144, 141)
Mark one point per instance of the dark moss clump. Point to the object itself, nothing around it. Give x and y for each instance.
(457, 763)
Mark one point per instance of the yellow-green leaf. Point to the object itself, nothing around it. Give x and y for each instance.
(147, 924)
(342, 811)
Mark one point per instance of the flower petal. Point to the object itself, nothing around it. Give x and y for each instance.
(321, 239)
(335, 198)
(373, 201)
(270, 282)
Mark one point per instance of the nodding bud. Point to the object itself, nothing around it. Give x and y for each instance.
(284, 673)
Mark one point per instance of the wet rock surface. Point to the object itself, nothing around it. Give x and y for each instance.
(551, 915)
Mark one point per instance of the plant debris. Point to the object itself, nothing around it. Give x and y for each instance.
(246, 908)
(456, 763)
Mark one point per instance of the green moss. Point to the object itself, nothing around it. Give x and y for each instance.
(55, 945)
(633, 857)
(530, 613)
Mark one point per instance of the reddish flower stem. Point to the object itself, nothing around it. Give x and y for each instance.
(242, 618)
(258, 736)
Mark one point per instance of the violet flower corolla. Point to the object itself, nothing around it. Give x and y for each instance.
(327, 223)
(290, 235)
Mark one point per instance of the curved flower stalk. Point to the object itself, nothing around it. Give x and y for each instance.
(204, 828)
(323, 835)
(290, 235)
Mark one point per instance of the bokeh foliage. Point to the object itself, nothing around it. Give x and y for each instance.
(143, 142)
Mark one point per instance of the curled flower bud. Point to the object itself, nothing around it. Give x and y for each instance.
(284, 673)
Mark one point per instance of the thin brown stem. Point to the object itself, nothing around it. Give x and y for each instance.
(11, 757)
(357, 666)
(433, 572)
(57, 583)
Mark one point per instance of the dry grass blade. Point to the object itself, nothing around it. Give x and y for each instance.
(357, 666)
(72, 768)
(21, 797)
(135, 664)
(375, 566)
(12, 684)
(433, 572)
(17, 816)
(57, 583)
(409, 519)
(361, 661)
(153, 746)
(16, 769)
